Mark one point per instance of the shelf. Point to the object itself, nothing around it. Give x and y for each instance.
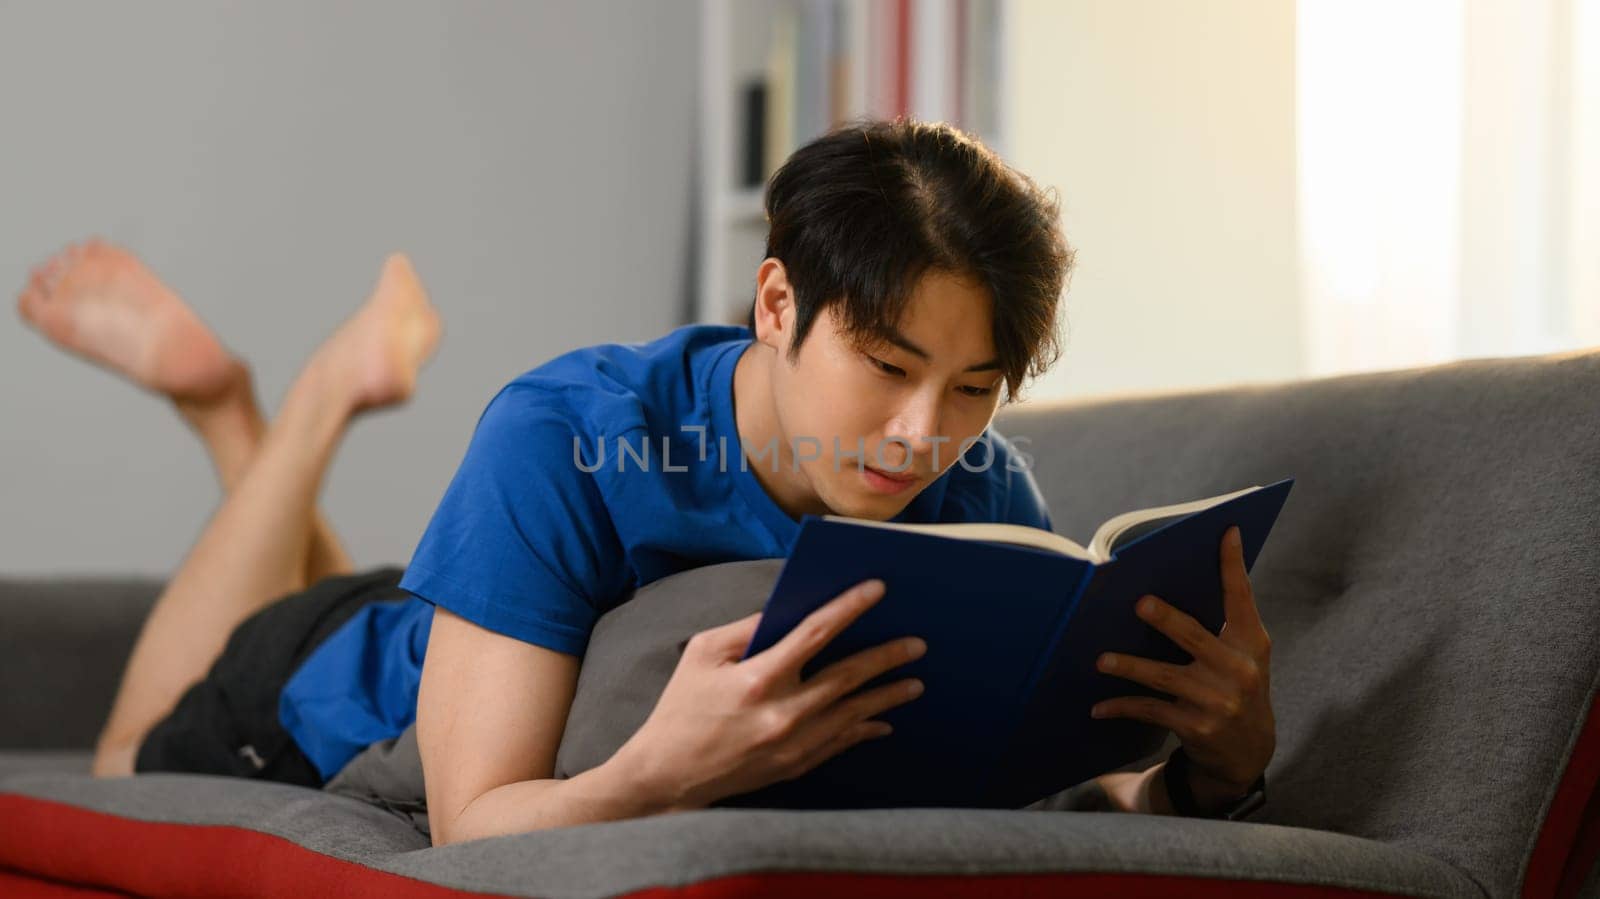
(745, 207)
(823, 62)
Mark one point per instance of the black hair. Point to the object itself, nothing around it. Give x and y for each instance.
(859, 215)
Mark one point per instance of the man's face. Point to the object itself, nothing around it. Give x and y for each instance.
(909, 402)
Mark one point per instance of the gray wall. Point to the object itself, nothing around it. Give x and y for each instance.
(533, 158)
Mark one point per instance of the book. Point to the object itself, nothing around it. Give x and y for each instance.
(1014, 618)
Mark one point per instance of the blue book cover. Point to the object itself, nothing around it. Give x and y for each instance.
(1013, 632)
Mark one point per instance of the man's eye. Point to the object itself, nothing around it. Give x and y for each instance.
(886, 367)
(976, 391)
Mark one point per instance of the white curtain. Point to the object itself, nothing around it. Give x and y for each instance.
(1448, 179)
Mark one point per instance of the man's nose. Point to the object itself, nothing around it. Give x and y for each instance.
(917, 424)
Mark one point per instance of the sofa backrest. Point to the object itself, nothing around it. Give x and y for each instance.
(64, 641)
(1432, 585)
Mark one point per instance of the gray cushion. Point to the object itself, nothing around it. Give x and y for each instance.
(1432, 585)
(612, 858)
(635, 647)
(388, 774)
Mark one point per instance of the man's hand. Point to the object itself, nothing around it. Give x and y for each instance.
(1222, 707)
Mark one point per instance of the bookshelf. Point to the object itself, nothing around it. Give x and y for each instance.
(815, 64)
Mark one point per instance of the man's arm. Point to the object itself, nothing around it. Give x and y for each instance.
(490, 713)
(1145, 792)
(492, 709)
(599, 794)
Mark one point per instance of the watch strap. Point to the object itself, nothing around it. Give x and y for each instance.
(1176, 775)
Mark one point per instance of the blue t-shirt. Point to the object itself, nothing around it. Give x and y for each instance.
(536, 537)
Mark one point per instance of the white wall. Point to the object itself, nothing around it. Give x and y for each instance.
(1446, 183)
(1168, 129)
(533, 158)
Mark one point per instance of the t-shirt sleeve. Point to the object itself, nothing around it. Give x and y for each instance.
(522, 542)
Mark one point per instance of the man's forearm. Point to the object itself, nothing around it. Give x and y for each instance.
(605, 793)
(1145, 792)
(1142, 792)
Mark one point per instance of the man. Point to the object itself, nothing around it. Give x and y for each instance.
(910, 285)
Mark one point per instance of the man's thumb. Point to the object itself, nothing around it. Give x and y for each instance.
(730, 639)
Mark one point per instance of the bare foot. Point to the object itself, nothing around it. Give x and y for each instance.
(378, 351)
(100, 302)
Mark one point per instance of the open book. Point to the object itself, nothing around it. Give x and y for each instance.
(1121, 529)
(1014, 618)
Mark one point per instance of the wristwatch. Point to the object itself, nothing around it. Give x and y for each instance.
(1176, 775)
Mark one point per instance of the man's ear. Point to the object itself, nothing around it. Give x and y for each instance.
(774, 305)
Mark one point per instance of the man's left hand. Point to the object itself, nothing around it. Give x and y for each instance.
(1221, 707)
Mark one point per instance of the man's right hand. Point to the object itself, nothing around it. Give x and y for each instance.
(725, 726)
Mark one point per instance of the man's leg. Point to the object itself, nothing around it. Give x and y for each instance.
(256, 546)
(100, 302)
(232, 428)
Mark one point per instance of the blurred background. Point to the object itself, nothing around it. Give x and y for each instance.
(1258, 190)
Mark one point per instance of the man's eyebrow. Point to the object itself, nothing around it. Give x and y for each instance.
(899, 340)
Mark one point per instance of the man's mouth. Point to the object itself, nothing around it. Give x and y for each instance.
(907, 475)
(880, 481)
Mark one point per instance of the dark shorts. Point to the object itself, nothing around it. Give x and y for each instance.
(227, 723)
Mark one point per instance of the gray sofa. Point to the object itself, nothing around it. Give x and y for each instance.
(1433, 591)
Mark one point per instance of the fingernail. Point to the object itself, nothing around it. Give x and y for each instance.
(1233, 537)
(1096, 712)
(914, 688)
(1147, 606)
(1108, 663)
(916, 647)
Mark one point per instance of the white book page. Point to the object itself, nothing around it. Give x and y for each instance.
(1098, 550)
(993, 532)
(1106, 536)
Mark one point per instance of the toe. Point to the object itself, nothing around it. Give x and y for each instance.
(397, 269)
(51, 272)
(33, 309)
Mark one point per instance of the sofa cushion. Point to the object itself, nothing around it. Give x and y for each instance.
(147, 834)
(1432, 586)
